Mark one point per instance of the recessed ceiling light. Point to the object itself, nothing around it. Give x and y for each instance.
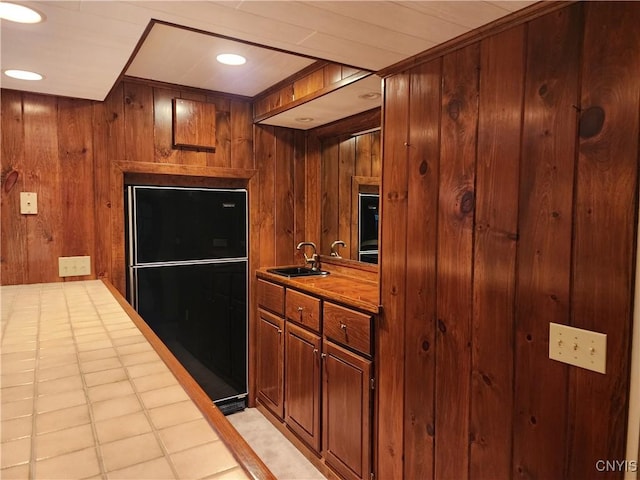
(231, 59)
(304, 119)
(18, 13)
(23, 75)
(370, 96)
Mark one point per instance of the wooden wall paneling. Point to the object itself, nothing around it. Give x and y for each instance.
(77, 195)
(422, 234)
(266, 164)
(456, 201)
(308, 84)
(255, 235)
(108, 142)
(192, 155)
(223, 155)
(330, 193)
(332, 73)
(363, 155)
(14, 225)
(376, 157)
(241, 135)
(605, 223)
(299, 186)
(393, 259)
(346, 167)
(44, 241)
(544, 240)
(313, 191)
(284, 196)
(502, 65)
(164, 151)
(138, 111)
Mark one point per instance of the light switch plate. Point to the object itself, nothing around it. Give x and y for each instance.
(575, 346)
(28, 203)
(74, 266)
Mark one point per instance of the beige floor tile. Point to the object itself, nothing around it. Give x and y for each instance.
(15, 379)
(61, 419)
(17, 356)
(129, 340)
(131, 331)
(203, 460)
(174, 414)
(19, 347)
(122, 427)
(110, 390)
(58, 401)
(146, 369)
(55, 361)
(19, 392)
(58, 372)
(158, 469)
(187, 435)
(80, 464)
(155, 381)
(105, 376)
(130, 451)
(19, 472)
(19, 408)
(15, 452)
(101, 364)
(135, 348)
(163, 396)
(69, 349)
(116, 407)
(94, 345)
(97, 354)
(59, 385)
(141, 357)
(19, 366)
(63, 441)
(232, 474)
(79, 332)
(17, 428)
(47, 342)
(92, 338)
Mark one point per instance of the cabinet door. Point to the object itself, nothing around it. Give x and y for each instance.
(346, 412)
(302, 380)
(270, 358)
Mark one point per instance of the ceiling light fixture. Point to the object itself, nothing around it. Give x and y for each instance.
(18, 13)
(370, 96)
(304, 119)
(23, 75)
(231, 59)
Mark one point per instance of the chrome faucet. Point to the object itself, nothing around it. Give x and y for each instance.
(334, 248)
(313, 259)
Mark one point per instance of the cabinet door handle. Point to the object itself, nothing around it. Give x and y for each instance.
(300, 309)
(323, 355)
(315, 351)
(279, 331)
(343, 326)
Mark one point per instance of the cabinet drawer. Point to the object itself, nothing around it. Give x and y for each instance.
(271, 296)
(348, 327)
(303, 309)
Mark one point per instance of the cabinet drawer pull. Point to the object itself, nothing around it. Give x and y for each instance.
(343, 326)
(323, 355)
(300, 309)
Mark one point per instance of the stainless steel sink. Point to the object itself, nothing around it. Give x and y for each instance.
(297, 272)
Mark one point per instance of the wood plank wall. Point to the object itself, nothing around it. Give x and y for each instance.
(509, 182)
(65, 150)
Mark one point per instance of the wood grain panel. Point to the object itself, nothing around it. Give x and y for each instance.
(363, 155)
(456, 200)
(44, 230)
(376, 158)
(299, 187)
(605, 218)
(241, 136)
(496, 233)
(346, 167)
(223, 154)
(422, 216)
(313, 190)
(164, 150)
(309, 84)
(266, 163)
(108, 142)
(284, 197)
(330, 192)
(75, 147)
(138, 111)
(544, 240)
(14, 225)
(391, 327)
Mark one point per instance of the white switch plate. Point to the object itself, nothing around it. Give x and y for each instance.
(28, 203)
(575, 346)
(74, 266)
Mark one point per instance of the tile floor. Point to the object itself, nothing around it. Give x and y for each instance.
(84, 395)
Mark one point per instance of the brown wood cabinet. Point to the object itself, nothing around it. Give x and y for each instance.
(328, 375)
(302, 380)
(270, 362)
(346, 412)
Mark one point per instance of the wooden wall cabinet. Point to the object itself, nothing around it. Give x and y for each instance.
(194, 124)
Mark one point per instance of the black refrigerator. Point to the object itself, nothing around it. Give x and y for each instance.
(187, 278)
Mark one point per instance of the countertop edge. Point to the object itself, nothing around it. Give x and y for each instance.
(242, 452)
(325, 293)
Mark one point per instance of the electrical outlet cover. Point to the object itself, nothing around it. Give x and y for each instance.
(578, 347)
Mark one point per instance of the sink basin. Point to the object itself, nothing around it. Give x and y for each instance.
(297, 272)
